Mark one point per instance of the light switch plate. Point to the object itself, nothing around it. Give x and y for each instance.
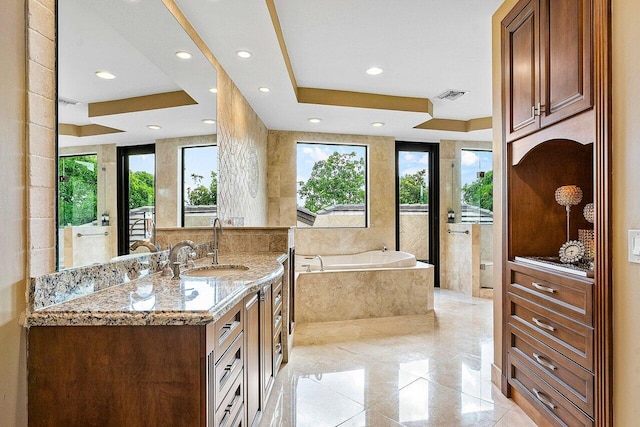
(634, 246)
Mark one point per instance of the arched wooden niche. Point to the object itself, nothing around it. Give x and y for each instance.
(537, 222)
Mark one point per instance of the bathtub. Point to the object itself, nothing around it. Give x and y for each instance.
(361, 261)
(364, 285)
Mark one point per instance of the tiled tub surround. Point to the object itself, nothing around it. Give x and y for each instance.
(156, 299)
(357, 294)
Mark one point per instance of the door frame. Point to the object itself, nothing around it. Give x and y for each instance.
(433, 172)
(122, 157)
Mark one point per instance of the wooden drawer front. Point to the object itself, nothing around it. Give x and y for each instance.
(572, 381)
(277, 297)
(570, 338)
(277, 319)
(277, 352)
(542, 396)
(568, 297)
(232, 404)
(227, 368)
(239, 421)
(227, 329)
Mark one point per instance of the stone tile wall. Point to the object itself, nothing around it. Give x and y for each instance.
(281, 176)
(41, 124)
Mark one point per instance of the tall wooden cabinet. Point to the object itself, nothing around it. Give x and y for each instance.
(556, 339)
(547, 63)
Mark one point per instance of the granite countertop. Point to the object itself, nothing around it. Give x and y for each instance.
(159, 300)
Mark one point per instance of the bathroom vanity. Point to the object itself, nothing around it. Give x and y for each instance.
(199, 351)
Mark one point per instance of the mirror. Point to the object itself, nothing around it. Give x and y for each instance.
(129, 77)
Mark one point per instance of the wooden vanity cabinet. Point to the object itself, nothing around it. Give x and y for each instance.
(547, 64)
(252, 358)
(266, 342)
(263, 334)
(189, 375)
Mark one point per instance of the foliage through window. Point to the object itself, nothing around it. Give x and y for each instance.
(77, 190)
(477, 185)
(199, 185)
(332, 182)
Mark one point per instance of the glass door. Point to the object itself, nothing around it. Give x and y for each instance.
(77, 201)
(136, 197)
(417, 202)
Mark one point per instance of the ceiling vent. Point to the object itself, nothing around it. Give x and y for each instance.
(65, 102)
(452, 94)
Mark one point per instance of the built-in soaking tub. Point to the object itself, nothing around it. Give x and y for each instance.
(363, 285)
(361, 261)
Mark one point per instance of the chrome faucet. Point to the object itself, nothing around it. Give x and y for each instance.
(384, 248)
(148, 245)
(321, 262)
(214, 251)
(173, 256)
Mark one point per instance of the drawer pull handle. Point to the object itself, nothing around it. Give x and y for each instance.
(278, 348)
(543, 325)
(539, 287)
(544, 400)
(543, 362)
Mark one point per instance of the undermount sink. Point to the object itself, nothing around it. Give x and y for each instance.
(214, 271)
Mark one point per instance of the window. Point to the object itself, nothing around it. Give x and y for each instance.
(78, 190)
(199, 185)
(476, 183)
(332, 185)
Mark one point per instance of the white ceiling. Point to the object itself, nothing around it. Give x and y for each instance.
(424, 47)
(136, 41)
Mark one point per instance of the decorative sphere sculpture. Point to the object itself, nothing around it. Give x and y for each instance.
(588, 213)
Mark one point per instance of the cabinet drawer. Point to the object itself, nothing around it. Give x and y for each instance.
(227, 329)
(569, 297)
(277, 319)
(232, 404)
(570, 338)
(239, 421)
(542, 396)
(572, 381)
(277, 352)
(277, 297)
(227, 368)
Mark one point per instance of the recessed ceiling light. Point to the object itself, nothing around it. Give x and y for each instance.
(314, 120)
(264, 89)
(154, 127)
(183, 55)
(213, 90)
(105, 75)
(244, 54)
(209, 121)
(377, 124)
(374, 71)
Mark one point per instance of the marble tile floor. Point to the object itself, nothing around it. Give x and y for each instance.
(426, 370)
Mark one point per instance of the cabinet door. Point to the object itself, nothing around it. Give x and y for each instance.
(266, 341)
(566, 66)
(520, 51)
(252, 357)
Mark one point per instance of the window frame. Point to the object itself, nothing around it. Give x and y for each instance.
(366, 148)
(182, 186)
(484, 150)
